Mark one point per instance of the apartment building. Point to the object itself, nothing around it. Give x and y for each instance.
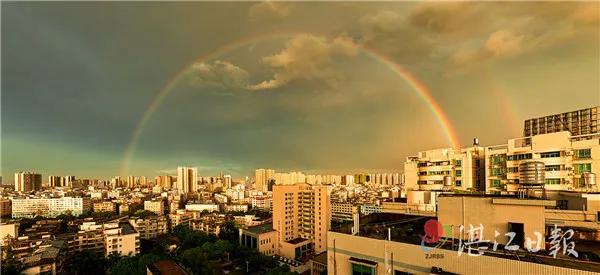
(262, 178)
(180, 217)
(446, 169)
(261, 237)
(49, 207)
(156, 206)
(150, 227)
(578, 123)
(5, 208)
(104, 206)
(343, 211)
(562, 161)
(27, 181)
(301, 217)
(121, 239)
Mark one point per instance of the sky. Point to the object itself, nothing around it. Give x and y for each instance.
(100, 89)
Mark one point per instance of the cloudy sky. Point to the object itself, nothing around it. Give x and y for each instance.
(109, 88)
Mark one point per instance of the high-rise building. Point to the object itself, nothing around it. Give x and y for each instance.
(164, 181)
(262, 177)
(187, 179)
(301, 218)
(27, 181)
(228, 182)
(580, 122)
(54, 181)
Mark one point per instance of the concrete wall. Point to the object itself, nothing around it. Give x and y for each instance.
(480, 210)
(410, 258)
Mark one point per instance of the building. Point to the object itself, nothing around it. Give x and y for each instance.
(199, 207)
(165, 267)
(5, 208)
(564, 162)
(27, 181)
(105, 206)
(49, 207)
(262, 178)
(301, 217)
(262, 202)
(262, 237)
(343, 211)
(150, 227)
(164, 181)
(180, 217)
(578, 123)
(121, 239)
(228, 181)
(8, 230)
(446, 169)
(187, 179)
(157, 206)
(236, 208)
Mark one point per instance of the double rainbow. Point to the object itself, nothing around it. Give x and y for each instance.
(419, 87)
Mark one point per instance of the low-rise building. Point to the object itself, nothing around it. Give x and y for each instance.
(150, 227)
(121, 239)
(156, 206)
(262, 238)
(105, 206)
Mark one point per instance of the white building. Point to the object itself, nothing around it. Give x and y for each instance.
(567, 161)
(49, 207)
(446, 169)
(201, 207)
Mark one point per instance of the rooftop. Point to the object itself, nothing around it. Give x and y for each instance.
(166, 267)
(409, 229)
(126, 228)
(261, 229)
(297, 240)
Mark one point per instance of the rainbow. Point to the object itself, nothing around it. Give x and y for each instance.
(406, 75)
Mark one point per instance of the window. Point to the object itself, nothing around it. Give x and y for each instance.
(358, 269)
(583, 168)
(458, 183)
(520, 156)
(458, 173)
(552, 167)
(458, 162)
(583, 153)
(552, 181)
(513, 169)
(554, 154)
(496, 183)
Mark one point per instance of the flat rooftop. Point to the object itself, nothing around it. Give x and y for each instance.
(261, 229)
(297, 240)
(409, 229)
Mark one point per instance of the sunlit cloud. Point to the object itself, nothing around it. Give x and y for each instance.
(306, 57)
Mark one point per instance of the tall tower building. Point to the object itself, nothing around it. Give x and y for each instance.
(27, 181)
(227, 179)
(300, 213)
(187, 179)
(54, 181)
(262, 177)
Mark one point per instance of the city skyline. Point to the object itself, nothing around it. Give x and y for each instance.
(163, 85)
